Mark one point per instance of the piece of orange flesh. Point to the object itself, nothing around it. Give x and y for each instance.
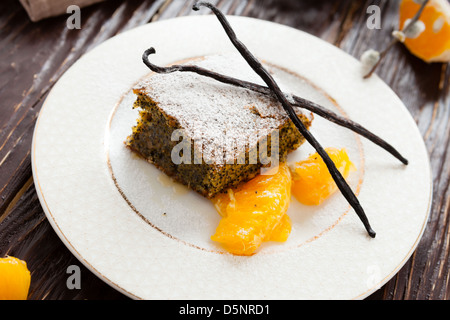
(312, 183)
(15, 279)
(433, 43)
(255, 212)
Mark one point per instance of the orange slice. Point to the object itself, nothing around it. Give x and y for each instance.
(255, 212)
(433, 43)
(14, 279)
(312, 183)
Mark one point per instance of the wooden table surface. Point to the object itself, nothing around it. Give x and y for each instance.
(33, 56)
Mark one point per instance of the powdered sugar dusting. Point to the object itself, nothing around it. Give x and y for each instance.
(219, 117)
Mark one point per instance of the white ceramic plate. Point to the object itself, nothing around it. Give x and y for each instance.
(150, 239)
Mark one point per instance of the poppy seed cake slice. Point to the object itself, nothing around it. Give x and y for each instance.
(208, 135)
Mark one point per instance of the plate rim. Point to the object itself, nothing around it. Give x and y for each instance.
(118, 287)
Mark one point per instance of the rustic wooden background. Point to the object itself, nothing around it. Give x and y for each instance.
(33, 56)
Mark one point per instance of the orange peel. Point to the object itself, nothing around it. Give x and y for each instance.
(432, 42)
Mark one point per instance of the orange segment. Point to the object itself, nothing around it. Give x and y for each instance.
(282, 230)
(254, 212)
(14, 279)
(433, 43)
(312, 183)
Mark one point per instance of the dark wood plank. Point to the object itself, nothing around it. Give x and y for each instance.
(34, 59)
(424, 90)
(344, 25)
(35, 55)
(46, 256)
